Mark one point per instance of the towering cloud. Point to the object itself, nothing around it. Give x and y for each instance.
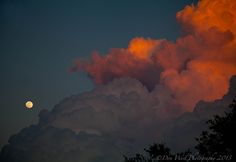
(196, 67)
(146, 92)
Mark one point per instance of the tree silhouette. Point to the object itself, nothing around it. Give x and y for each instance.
(154, 152)
(219, 139)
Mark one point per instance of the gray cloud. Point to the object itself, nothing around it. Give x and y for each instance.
(189, 125)
(119, 118)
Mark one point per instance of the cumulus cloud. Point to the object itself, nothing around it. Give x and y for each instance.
(102, 125)
(196, 67)
(50, 144)
(189, 125)
(123, 105)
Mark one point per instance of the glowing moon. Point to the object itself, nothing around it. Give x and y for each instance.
(29, 104)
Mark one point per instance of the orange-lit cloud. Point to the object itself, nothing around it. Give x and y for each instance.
(121, 63)
(143, 48)
(196, 67)
(208, 14)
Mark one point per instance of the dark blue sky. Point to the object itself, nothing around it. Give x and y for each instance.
(39, 40)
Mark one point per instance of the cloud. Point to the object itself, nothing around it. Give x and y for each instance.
(50, 144)
(196, 67)
(189, 125)
(123, 105)
(102, 125)
(122, 62)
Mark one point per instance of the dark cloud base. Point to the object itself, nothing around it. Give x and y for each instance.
(102, 125)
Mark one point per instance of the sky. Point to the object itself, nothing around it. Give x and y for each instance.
(108, 78)
(40, 41)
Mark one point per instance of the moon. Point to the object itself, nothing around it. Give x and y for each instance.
(29, 104)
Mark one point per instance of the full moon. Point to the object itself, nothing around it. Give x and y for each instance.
(29, 104)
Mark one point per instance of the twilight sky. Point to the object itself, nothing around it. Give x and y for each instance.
(107, 78)
(39, 40)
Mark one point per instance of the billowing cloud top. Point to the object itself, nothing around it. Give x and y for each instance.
(196, 67)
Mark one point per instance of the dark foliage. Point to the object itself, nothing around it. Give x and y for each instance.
(155, 151)
(219, 139)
